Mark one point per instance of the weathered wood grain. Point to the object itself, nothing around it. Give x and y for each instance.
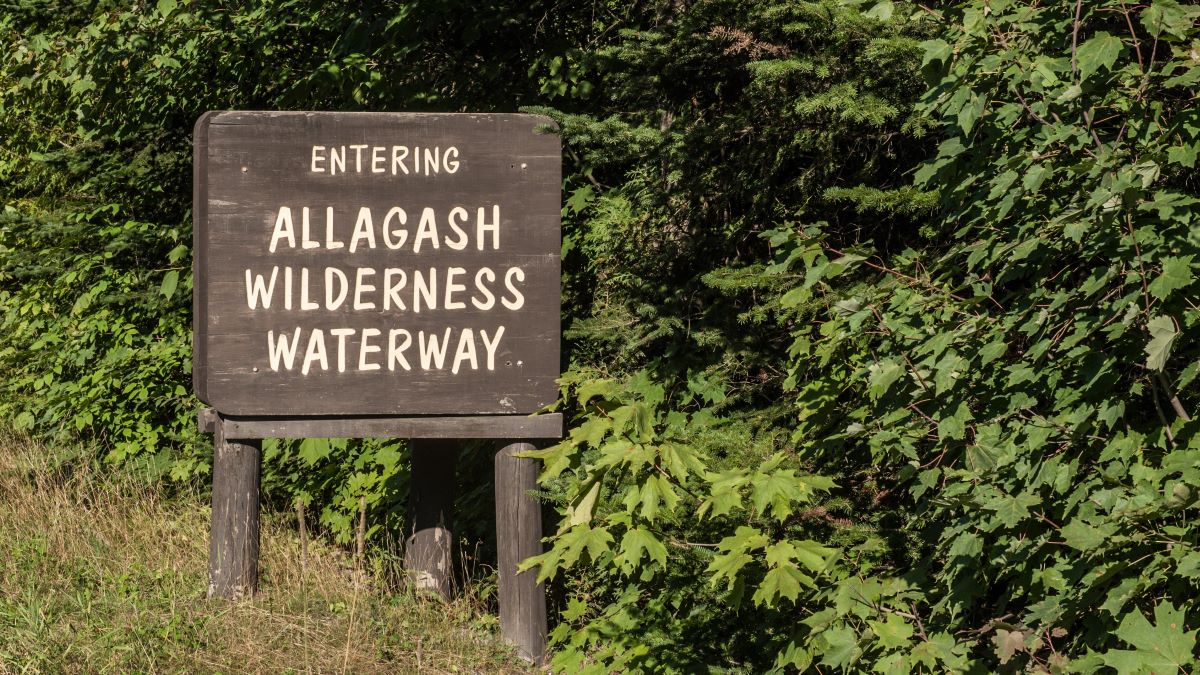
(428, 552)
(233, 547)
(519, 536)
(249, 164)
(546, 425)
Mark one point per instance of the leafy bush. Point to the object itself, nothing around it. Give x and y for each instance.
(693, 530)
(1000, 396)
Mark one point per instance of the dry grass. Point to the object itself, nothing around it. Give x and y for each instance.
(102, 572)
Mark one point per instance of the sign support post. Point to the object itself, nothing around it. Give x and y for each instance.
(519, 536)
(233, 546)
(428, 551)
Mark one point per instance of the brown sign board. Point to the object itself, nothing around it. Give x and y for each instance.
(391, 264)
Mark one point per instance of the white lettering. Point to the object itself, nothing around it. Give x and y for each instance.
(399, 154)
(329, 241)
(358, 157)
(283, 229)
(363, 229)
(482, 226)
(305, 303)
(461, 242)
(393, 290)
(488, 300)
(433, 352)
(342, 334)
(330, 273)
(396, 352)
(315, 352)
(518, 300)
(424, 289)
(364, 348)
(432, 160)
(337, 160)
(305, 240)
(287, 288)
(427, 229)
(259, 290)
(360, 288)
(491, 346)
(451, 288)
(465, 351)
(282, 350)
(449, 165)
(387, 234)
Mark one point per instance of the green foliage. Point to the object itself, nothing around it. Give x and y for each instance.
(1015, 371)
(1023, 371)
(335, 474)
(881, 335)
(693, 534)
(641, 496)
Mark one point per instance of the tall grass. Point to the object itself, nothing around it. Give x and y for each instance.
(106, 571)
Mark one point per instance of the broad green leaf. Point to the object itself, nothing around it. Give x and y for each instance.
(638, 541)
(883, 375)
(581, 512)
(1012, 509)
(980, 457)
(1189, 566)
(992, 351)
(650, 497)
(936, 50)
(1168, 17)
(841, 647)
(1184, 155)
(724, 492)
(776, 490)
(1085, 536)
(593, 388)
(1189, 77)
(169, 282)
(1162, 337)
(1176, 274)
(727, 566)
(313, 450)
(780, 582)
(954, 426)
(893, 633)
(882, 10)
(1100, 51)
(807, 552)
(1161, 647)
(970, 113)
(1120, 595)
(575, 541)
(593, 430)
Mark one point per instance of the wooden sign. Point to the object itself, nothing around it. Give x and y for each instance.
(376, 263)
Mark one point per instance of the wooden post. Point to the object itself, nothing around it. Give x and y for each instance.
(233, 547)
(428, 556)
(519, 536)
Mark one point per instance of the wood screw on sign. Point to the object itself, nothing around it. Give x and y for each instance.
(380, 275)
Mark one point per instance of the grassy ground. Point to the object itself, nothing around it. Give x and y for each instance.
(100, 572)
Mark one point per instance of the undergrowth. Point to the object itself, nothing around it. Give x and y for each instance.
(105, 571)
